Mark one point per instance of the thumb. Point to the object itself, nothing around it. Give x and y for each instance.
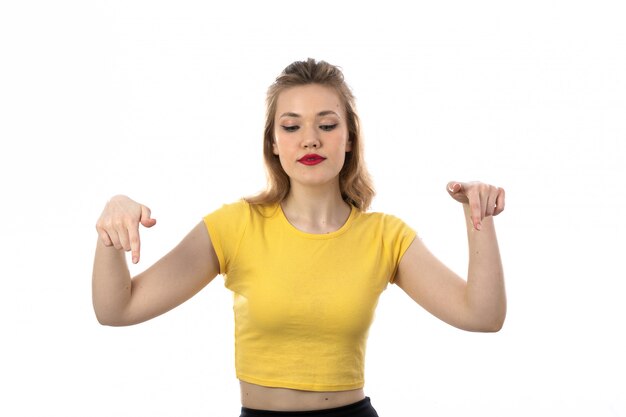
(145, 219)
(457, 191)
(454, 187)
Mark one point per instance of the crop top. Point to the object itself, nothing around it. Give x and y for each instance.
(304, 303)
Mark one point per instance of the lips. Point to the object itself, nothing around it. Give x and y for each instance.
(311, 159)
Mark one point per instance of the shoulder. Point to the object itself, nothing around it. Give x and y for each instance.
(384, 220)
(227, 215)
(263, 210)
(241, 211)
(388, 227)
(232, 209)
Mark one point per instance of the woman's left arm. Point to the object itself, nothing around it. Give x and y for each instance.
(478, 303)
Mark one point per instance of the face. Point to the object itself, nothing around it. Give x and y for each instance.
(311, 134)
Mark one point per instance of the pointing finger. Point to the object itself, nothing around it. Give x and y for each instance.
(476, 212)
(135, 244)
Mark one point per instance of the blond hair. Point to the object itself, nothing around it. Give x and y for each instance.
(354, 180)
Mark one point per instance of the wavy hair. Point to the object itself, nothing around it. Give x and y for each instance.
(354, 180)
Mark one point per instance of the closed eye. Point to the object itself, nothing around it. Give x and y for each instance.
(290, 128)
(328, 128)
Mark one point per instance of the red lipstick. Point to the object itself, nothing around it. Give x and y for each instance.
(311, 159)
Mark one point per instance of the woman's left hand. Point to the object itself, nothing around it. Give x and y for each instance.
(483, 200)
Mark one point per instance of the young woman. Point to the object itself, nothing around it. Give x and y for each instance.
(305, 260)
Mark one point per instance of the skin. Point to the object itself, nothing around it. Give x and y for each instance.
(309, 119)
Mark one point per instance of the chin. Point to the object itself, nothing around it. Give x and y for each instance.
(315, 182)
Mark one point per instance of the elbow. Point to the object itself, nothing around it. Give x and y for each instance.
(493, 325)
(112, 323)
(103, 318)
(109, 314)
(106, 321)
(490, 318)
(110, 320)
(487, 323)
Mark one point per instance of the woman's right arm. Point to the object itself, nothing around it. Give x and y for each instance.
(120, 300)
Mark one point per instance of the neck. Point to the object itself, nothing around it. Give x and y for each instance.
(316, 209)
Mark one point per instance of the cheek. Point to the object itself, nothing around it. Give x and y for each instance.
(346, 142)
(280, 147)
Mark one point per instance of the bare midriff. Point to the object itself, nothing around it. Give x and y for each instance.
(283, 399)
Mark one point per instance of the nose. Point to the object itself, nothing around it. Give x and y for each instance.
(311, 139)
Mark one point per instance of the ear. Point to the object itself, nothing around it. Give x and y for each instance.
(274, 148)
(349, 145)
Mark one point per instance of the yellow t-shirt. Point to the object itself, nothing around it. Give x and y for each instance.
(303, 302)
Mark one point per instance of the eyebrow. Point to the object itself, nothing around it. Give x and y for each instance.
(320, 114)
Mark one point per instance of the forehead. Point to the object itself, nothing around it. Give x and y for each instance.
(309, 100)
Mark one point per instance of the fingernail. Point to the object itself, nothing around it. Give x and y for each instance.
(135, 260)
(478, 226)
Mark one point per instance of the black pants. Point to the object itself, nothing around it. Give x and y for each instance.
(361, 408)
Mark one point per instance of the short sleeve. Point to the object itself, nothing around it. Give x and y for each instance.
(226, 227)
(398, 236)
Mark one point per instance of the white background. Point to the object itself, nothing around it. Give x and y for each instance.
(164, 101)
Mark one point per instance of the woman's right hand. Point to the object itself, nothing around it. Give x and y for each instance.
(118, 225)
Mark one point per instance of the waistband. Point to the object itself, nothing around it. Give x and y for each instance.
(360, 408)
